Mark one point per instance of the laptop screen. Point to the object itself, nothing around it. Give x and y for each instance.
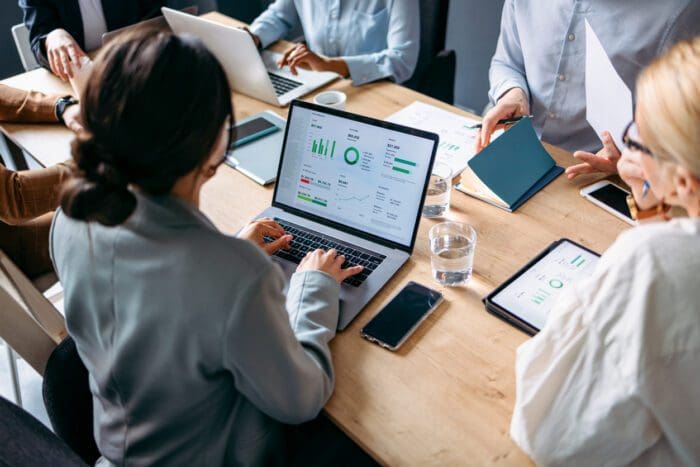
(370, 177)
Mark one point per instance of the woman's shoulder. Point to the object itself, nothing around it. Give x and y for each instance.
(658, 242)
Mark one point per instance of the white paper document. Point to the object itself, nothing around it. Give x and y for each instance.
(456, 145)
(608, 99)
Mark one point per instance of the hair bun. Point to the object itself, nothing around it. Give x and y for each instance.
(100, 193)
(89, 201)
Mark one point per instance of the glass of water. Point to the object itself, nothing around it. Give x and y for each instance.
(437, 199)
(452, 246)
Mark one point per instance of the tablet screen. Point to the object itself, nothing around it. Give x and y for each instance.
(531, 295)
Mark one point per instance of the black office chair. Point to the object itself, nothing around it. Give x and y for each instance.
(436, 68)
(25, 441)
(68, 400)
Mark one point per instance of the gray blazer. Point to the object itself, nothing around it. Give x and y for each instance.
(193, 355)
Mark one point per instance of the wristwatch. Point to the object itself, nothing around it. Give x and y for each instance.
(61, 105)
(641, 214)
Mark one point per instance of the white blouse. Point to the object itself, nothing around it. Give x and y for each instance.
(94, 23)
(614, 376)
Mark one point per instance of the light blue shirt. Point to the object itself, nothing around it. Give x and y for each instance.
(376, 38)
(542, 49)
(194, 353)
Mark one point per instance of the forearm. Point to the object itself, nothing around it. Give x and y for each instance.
(507, 69)
(17, 105)
(504, 77)
(28, 194)
(392, 64)
(275, 22)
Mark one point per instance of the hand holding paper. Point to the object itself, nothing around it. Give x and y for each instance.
(608, 109)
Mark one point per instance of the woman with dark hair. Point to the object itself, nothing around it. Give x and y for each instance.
(194, 353)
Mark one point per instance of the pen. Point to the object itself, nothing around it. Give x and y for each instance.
(645, 189)
(504, 121)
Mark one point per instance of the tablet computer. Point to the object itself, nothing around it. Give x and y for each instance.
(526, 298)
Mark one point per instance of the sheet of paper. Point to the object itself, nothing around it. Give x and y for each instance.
(608, 99)
(456, 145)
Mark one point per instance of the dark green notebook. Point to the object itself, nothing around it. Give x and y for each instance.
(511, 169)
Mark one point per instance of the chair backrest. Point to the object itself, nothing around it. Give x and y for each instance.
(433, 32)
(20, 33)
(29, 323)
(68, 400)
(24, 441)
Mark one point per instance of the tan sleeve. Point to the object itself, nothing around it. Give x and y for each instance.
(28, 194)
(17, 105)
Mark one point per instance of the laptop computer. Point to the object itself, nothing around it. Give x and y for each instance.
(158, 23)
(249, 72)
(355, 184)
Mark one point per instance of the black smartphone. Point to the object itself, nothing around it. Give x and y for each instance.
(401, 316)
(610, 197)
(249, 131)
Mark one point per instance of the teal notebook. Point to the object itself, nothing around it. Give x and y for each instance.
(511, 169)
(259, 159)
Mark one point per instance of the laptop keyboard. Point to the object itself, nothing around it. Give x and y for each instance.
(305, 241)
(283, 85)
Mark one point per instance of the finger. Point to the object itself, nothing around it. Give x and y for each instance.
(347, 272)
(299, 57)
(305, 63)
(75, 126)
(609, 144)
(53, 62)
(65, 62)
(73, 54)
(331, 255)
(271, 227)
(598, 162)
(488, 125)
(78, 51)
(282, 242)
(580, 169)
(285, 57)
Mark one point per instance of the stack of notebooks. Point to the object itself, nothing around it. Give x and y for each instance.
(511, 169)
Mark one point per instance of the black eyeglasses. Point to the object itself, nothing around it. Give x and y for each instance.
(633, 144)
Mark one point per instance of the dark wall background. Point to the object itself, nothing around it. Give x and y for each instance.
(10, 14)
(472, 32)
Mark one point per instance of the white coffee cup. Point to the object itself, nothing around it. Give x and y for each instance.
(333, 99)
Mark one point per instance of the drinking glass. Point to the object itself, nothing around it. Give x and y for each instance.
(437, 198)
(452, 246)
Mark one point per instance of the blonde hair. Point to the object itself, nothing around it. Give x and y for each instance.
(668, 101)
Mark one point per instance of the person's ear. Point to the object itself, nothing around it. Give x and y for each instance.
(687, 186)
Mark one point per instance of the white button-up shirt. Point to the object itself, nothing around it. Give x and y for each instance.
(94, 24)
(376, 38)
(613, 378)
(542, 49)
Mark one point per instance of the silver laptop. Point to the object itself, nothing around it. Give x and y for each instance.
(158, 23)
(248, 71)
(355, 184)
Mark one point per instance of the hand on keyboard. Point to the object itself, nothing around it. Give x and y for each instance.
(329, 262)
(261, 229)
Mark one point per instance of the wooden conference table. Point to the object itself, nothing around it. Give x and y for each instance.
(447, 396)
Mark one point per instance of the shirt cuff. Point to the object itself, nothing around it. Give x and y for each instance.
(314, 296)
(363, 69)
(497, 91)
(265, 33)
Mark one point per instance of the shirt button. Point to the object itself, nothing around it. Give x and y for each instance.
(552, 115)
(571, 36)
(562, 77)
(334, 14)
